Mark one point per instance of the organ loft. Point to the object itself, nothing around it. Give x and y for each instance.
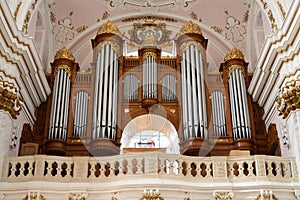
(150, 101)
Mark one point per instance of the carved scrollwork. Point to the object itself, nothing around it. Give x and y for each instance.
(223, 195)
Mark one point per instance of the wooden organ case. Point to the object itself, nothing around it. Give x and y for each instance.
(88, 111)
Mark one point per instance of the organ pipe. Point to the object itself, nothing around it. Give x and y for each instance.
(62, 72)
(218, 112)
(105, 100)
(193, 94)
(80, 114)
(149, 78)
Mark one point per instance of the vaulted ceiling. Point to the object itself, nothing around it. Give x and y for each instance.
(225, 23)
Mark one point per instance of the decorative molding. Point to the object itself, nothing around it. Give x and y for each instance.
(281, 9)
(223, 195)
(63, 30)
(235, 30)
(288, 98)
(10, 99)
(189, 27)
(284, 134)
(17, 10)
(34, 196)
(217, 29)
(78, 196)
(151, 194)
(149, 18)
(28, 16)
(108, 27)
(231, 69)
(194, 16)
(266, 195)
(149, 34)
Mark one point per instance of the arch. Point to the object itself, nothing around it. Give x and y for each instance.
(150, 130)
(157, 110)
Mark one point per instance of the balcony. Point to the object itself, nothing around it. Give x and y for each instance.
(149, 165)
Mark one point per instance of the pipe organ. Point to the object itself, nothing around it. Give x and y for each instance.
(88, 110)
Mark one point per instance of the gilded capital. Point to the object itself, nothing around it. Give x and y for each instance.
(64, 53)
(109, 27)
(190, 27)
(234, 53)
(10, 99)
(288, 98)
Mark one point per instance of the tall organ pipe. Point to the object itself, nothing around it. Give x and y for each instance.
(193, 94)
(106, 80)
(60, 106)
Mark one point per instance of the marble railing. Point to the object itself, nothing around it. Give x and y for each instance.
(149, 165)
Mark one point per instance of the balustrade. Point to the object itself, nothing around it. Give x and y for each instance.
(165, 166)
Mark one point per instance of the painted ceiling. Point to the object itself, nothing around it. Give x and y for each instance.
(223, 22)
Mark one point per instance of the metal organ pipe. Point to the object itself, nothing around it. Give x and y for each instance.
(105, 103)
(239, 105)
(149, 78)
(218, 112)
(80, 114)
(60, 106)
(193, 94)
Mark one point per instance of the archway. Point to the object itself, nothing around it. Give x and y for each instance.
(150, 131)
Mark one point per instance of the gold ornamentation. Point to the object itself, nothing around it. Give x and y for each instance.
(105, 15)
(17, 10)
(235, 30)
(64, 53)
(234, 53)
(145, 55)
(288, 98)
(184, 46)
(190, 27)
(113, 45)
(34, 196)
(66, 68)
(234, 67)
(266, 196)
(77, 196)
(281, 9)
(272, 20)
(10, 99)
(217, 29)
(151, 195)
(223, 195)
(149, 34)
(109, 27)
(149, 18)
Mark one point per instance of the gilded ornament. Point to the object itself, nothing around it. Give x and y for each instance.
(234, 53)
(145, 55)
(184, 46)
(64, 53)
(223, 195)
(190, 27)
(108, 27)
(113, 45)
(10, 99)
(234, 67)
(66, 68)
(288, 98)
(34, 196)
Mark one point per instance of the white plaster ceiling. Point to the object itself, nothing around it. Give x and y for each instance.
(223, 22)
